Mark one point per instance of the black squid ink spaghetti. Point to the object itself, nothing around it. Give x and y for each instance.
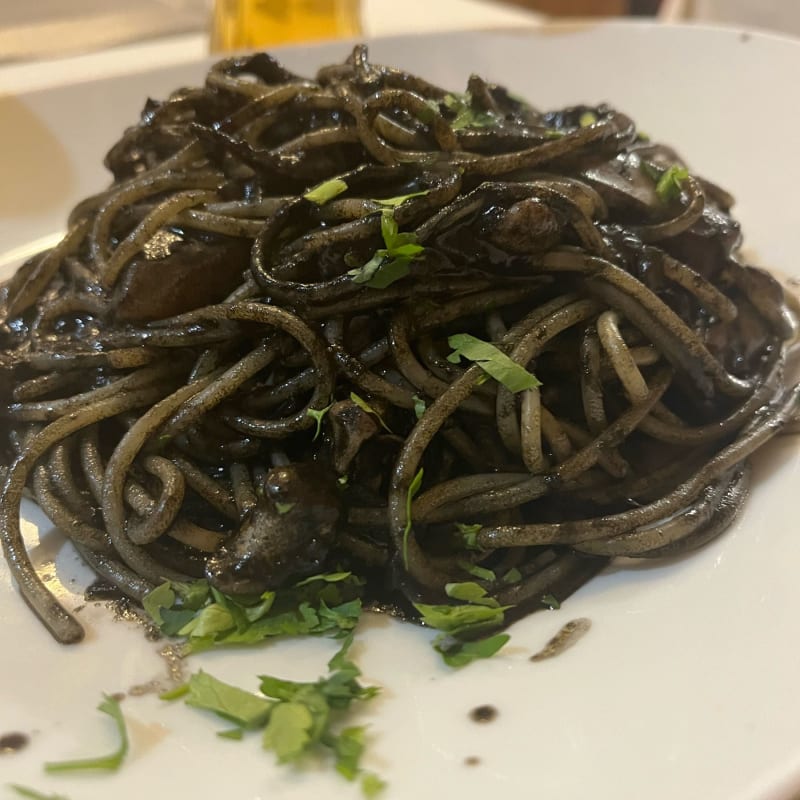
(361, 322)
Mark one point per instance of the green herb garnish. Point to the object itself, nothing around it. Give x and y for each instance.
(670, 184)
(110, 762)
(461, 625)
(317, 415)
(296, 718)
(419, 406)
(326, 191)
(466, 116)
(24, 791)
(371, 785)
(470, 592)
(320, 605)
(236, 734)
(458, 654)
(470, 534)
(587, 118)
(390, 263)
(413, 489)
(245, 709)
(303, 714)
(365, 406)
(284, 508)
(492, 361)
(512, 576)
(477, 571)
(394, 202)
(551, 601)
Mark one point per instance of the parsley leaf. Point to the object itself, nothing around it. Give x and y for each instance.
(470, 534)
(322, 604)
(419, 406)
(175, 693)
(162, 597)
(460, 619)
(413, 489)
(371, 785)
(296, 717)
(113, 760)
(512, 576)
(348, 746)
(466, 116)
(477, 571)
(245, 709)
(587, 118)
(326, 191)
(458, 654)
(470, 592)
(492, 361)
(329, 577)
(365, 406)
(461, 625)
(394, 202)
(317, 415)
(303, 712)
(390, 263)
(551, 601)
(670, 184)
(236, 734)
(288, 733)
(24, 791)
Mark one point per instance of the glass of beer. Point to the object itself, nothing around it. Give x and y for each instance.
(249, 24)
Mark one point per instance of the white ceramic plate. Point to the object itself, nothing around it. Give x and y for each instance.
(685, 686)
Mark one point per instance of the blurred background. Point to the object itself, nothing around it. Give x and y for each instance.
(48, 29)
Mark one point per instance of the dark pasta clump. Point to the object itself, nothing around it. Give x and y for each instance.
(304, 308)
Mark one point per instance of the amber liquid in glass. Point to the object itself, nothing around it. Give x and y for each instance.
(248, 24)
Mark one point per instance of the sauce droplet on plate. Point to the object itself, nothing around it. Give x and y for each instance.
(13, 742)
(483, 713)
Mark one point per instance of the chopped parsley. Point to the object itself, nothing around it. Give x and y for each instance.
(296, 719)
(327, 604)
(394, 202)
(512, 576)
(113, 760)
(587, 118)
(413, 489)
(419, 406)
(465, 115)
(365, 406)
(492, 361)
(317, 415)
(670, 184)
(458, 654)
(246, 710)
(24, 791)
(326, 191)
(470, 534)
(390, 263)
(459, 642)
(477, 571)
(551, 601)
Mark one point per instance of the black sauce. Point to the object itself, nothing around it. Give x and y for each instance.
(102, 590)
(483, 713)
(13, 742)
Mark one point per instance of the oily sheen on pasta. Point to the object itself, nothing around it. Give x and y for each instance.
(360, 321)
